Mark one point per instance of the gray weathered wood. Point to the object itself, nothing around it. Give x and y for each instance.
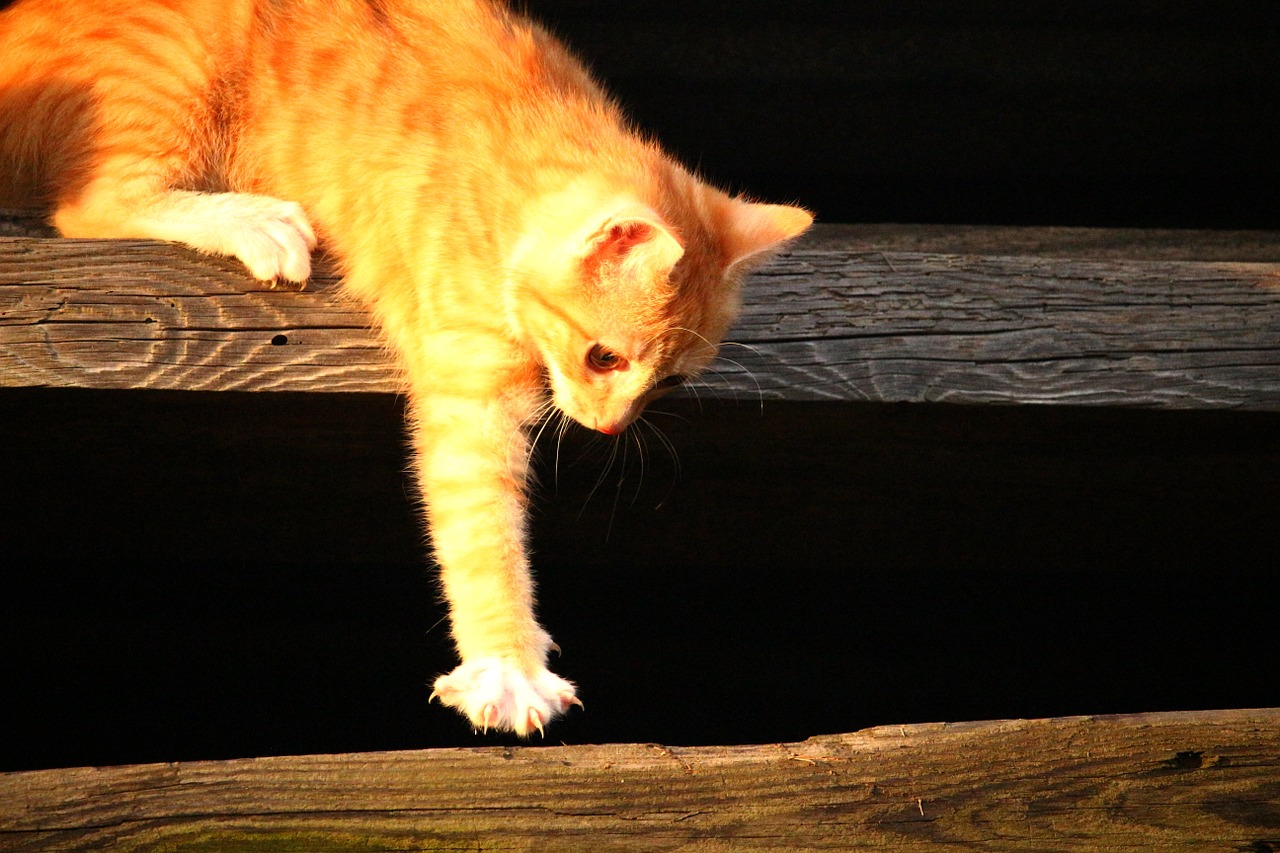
(1090, 244)
(1077, 319)
(130, 314)
(978, 329)
(1168, 781)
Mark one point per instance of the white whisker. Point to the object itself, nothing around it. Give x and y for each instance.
(701, 337)
(539, 414)
(617, 491)
(748, 347)
(749, 374)
(710, 370)
(613, 455)
(671, 451)
(562, 427)
(667, 414)
(638, 437)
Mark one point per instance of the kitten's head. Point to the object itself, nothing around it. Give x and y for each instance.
(623, 303)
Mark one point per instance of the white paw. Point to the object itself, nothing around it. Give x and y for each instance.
(273, 238)
(494, 693)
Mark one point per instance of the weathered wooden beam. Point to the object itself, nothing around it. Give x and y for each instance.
(1063, 316)
(1168, 781)
(126, 314)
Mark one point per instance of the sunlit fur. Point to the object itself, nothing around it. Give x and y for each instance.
(482, 196)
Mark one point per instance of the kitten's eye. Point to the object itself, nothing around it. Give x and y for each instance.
(672, 381)
(602, 359)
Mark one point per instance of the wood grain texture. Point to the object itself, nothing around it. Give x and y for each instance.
(1168, 781)
(135, 314)
(985, 329)
(825, 322)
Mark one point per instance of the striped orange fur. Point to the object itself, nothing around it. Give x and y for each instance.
(518, 244)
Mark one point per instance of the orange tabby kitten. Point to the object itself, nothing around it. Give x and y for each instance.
(519, 246)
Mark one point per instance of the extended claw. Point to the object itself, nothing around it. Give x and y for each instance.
(496, 694)
(535, 720)
(489, 717)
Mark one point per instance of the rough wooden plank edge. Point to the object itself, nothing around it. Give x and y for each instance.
(1163, 781)
(818, 324)
(1165, 244)
(1087, 244)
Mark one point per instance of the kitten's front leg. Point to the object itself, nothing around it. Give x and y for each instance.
(471, 456)
(271, 237)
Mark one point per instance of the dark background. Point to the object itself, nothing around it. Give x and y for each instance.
(196, 575)
(1084, 113)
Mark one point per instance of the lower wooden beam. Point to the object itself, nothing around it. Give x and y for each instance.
(1165, 781)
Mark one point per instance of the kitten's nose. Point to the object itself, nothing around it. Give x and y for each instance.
(611, 429)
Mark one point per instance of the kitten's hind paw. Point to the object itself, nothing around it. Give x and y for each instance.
(494, 693)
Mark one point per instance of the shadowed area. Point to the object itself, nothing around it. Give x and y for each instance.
(211, 575)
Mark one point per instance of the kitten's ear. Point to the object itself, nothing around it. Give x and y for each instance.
(754, 232)
(633, 242)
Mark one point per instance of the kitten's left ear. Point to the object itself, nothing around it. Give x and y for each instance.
(754, 232)
(633, 242)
